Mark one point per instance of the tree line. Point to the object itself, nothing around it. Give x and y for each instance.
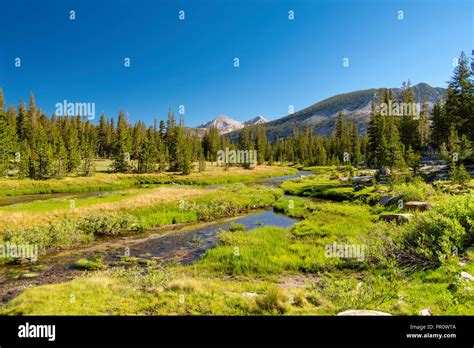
(33, 145)
(393, 141)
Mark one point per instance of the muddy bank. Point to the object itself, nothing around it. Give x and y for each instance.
(182, 245)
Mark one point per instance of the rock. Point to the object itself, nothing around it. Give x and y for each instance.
(368, 172)
(362, 312)
(426, 312)
(344, 179)
(418, 206)
(398, 218)
(249, 294)
(385, 171)
(467, 276)
(358, 179)
(385, 200)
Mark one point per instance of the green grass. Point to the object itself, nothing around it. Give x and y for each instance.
(275, 271)
(90, 264)
(65, 203)
(241, 276)
(237, 227)
(223, 202)
(113, 182)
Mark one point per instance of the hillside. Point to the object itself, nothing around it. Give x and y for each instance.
(355, 106)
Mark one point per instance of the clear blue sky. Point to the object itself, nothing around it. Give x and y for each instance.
(173, 62)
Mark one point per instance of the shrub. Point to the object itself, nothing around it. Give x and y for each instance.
(65, 232)
(108, 225)
(237, 227)
(430, 238)
(92, 264)
(274, 301)
(460, 175)
(417, 190)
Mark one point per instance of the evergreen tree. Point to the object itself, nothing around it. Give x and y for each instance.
(460, 99)
(122, 146)
(424, 131)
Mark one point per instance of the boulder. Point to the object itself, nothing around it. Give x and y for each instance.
(426, 312)
(398, 218)
(418, 206)
(385, 171)
(385, 200)
(467, 276)
(249, 294)
(362, 312)
(358, 179)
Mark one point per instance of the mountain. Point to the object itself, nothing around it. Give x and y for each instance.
(354, 105)
(256, 120)
(225, 124)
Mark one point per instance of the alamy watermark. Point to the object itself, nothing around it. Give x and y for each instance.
(65, 108)
(399, 109)
(19, 251)
(346, 251)
(227, 156)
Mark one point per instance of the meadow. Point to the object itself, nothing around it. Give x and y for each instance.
(403, 269)
(103, 181)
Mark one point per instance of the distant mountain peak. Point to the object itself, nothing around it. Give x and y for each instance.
(225, 124)
(256, 120)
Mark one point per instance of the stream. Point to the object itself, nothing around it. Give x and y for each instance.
(182, 244)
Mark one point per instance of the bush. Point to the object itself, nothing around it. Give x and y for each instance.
(417, 190)
(65, 233)
(108, 225)
(274, 301)
(237, 227)
(92, 264)
(430, 238)
(59, 234)
(460, 175)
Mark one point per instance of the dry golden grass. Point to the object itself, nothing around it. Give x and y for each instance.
(13, 220)
(104, 181)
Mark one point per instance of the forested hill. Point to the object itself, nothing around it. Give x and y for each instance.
(354, 105)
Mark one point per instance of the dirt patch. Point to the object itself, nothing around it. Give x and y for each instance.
(297, 281)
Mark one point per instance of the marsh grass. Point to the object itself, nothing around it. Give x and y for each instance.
(242, 274)
(218, 284)
(110, 182)
(156, 208)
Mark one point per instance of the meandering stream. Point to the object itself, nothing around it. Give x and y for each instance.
(183, 244)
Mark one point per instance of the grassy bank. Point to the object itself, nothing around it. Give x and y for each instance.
(273, 271)
(334, 184)
(159, 207)
(399, 269)
(108, 182)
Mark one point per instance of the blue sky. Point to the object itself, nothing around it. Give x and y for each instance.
(191, 62)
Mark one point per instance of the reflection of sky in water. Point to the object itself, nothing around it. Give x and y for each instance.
(188, 245)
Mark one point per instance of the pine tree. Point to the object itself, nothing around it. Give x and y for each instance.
(24, 160)
(246, 144)
(102, 145)
(408, 123)
(424, 130)
(122, 146)
(42, 156)
(460, 99)
(211, 144)
(260, 144)
(71, 142)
